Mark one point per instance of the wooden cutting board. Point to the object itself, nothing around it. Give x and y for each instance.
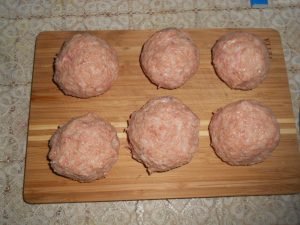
(206, 175)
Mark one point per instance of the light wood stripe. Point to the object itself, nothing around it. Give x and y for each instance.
(124, 124)
(286, 120)
(43, 127)
(288, 131)
(119, 124)
(122, 135)
(47, 137)
(55, 126)
(281, 121)
(204, 122)
(39, 137)
(202, 133)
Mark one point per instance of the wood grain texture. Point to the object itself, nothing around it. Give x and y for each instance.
(206, 175)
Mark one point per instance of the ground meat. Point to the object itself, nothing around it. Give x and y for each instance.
(84, 149)
(169, 58)
(241, 60)
(244, 132)
(163, 134)
(86, 66)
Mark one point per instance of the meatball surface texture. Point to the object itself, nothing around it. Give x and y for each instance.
(169, 58)
(163, 134)
(84, 149)
(241, 60)
(86, 66)
(244, 132)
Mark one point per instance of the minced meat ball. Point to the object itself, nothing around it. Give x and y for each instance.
(84, 149)
(241, 60)
(163, 134)
(169, 58)
(244, 132)
(86, 66)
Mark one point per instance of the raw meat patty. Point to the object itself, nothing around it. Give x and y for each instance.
(86, 66)
(163, 134)
(84, 149)
(241, 60)
(169, 58)
(244, 132)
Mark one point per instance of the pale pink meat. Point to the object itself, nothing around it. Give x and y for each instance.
(163, 134)
(84, 149)
(86, 66)
(241, 60)
(169, 58)
(244, 132)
